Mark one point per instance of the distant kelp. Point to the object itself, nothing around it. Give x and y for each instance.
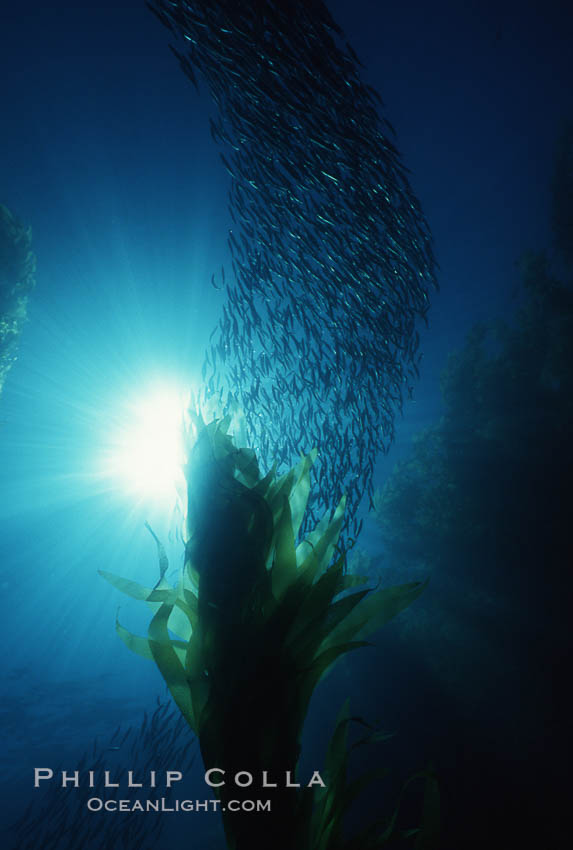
(331, 253)
(562, 195)
(500, 455)
(483, 502)
(17, 267)
(59, 820)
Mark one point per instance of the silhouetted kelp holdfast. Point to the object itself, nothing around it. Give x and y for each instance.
(242, 667)
(331, 254)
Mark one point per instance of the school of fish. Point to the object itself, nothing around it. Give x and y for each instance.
(58, 818)
(331, 254)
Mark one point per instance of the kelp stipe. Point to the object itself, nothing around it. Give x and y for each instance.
(253, 625)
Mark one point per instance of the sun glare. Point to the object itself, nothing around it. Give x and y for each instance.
(147, 454)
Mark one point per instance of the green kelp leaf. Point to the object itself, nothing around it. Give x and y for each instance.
(350, 580)
(311, 601)
(337, 752)
(192, 604)
(385, 835)
(325, 836)
(216, 437)
(308, 545)
(317, 600)
(329, 811)
(322, 543)
(312, 620)
(222, 427)
(326, 659)
(130, 588)
(278, 492)
(154, 596)
(190, 581)
(135, 643)
(161, 554)
(307, 566)
(163, 592)
(342, 608)
(184, 617)
(247, 467)
(169, 663)
(181, 602)
(283, 571)
(314, 633)
(179, 622)
(321, 666)
(308, 560)
(263, 486)
(140, 645)
(374, 611)
(280, 615)
(301, 491)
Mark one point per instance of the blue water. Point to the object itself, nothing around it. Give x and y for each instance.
(106, 153)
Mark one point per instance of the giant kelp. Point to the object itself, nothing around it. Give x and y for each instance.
(483, 502)
(330, 251)
(500, 453)
(562, 195)
(17, 267)
(252, 626)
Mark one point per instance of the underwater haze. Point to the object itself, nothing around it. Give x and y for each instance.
(108, 156)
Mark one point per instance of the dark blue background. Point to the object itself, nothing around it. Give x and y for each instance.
(106, 153)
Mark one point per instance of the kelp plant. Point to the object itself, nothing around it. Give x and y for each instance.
(17, 267)
(252, 626)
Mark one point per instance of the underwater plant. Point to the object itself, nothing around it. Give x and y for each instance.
(254, 623)
(508, 396)
(487, 466)
(17, 267)
(562, 195)
(483, 503)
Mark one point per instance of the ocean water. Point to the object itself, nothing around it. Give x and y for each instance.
(107, 155)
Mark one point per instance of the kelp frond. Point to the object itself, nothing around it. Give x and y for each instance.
(322, 612)
(257, 620)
